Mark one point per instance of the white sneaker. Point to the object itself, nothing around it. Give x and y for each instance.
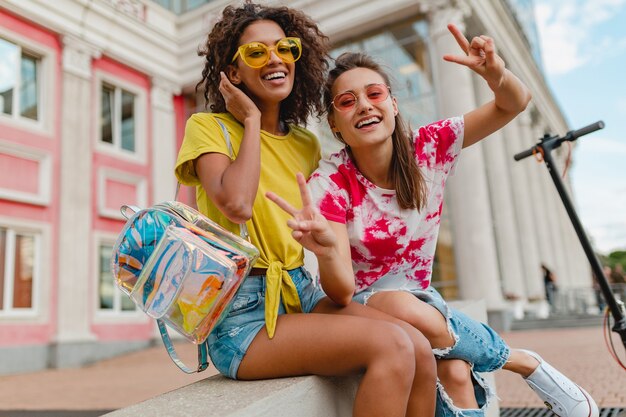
(559, 393)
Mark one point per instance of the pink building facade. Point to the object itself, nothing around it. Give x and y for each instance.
(82, 131)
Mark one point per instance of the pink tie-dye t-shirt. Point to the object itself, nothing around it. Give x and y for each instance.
(385, 239)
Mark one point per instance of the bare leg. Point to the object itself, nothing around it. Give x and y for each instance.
(322, 344)
(423, 391)
(521, 363)
(424, 317)
(455, 376)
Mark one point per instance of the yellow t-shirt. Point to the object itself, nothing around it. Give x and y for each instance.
(281, 158)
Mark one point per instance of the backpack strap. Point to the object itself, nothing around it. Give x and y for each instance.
(203, 351)
(203, 348)
(243, 229)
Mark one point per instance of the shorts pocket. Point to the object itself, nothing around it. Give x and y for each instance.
(244, 302)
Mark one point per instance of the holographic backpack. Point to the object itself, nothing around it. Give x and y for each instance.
(182, 269)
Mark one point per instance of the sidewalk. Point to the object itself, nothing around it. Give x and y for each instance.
(580, 353)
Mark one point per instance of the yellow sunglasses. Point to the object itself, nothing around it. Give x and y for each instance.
(257, 54)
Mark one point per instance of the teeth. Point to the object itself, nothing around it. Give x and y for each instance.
(367, 121)
(274, 75)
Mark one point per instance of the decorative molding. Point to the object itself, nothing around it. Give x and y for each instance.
(44, 174)
(77, 56)
(162, 94)
(139, 182)
(132, 8)
(442, 12)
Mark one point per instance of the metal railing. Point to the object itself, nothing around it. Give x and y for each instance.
(583, 301)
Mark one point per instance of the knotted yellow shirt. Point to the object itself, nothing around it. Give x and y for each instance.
(281, 158)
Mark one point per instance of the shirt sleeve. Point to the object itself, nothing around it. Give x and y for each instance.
(203, 134)
(439, 144)
(328, 192)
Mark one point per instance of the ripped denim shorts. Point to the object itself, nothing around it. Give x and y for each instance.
(230, 340)
(476, 343)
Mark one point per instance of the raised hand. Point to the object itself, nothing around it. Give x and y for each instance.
(237, 102)
(309, 227)
(480, 56)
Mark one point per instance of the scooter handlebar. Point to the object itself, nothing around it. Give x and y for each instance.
(523, 154)
(575, 134)
(570, 136)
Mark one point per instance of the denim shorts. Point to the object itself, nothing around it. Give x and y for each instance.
(230, 340)
(476, 343)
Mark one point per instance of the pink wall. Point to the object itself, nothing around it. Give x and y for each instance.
(26, 333)
(23, 332)
(186, 194)
(117, 193)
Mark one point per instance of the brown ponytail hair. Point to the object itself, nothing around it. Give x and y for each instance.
(406, 176)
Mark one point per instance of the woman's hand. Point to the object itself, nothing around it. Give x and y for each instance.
(310, 228)
(480, 56)
(511, 96)
(237, 102)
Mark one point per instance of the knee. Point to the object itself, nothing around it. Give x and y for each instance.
(454, 373)
(425, 363)
(396, 354)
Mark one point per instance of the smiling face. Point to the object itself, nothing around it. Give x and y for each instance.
(366, 124)
(271, 83)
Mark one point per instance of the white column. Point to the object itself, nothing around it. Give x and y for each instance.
(497, 162)
(163, 140)
(76, 279)
(553, 207)
(524, 212)
(578, 271)
(467, 191)
(535, 187)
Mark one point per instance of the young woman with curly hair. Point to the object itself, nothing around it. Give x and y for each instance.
(263, 75)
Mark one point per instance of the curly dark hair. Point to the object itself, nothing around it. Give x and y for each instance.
(404, 172)
(223, 41)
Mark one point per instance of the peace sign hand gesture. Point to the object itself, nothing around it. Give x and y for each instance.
(480, 56)
(310, 228)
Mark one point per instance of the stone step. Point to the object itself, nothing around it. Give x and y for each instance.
(557, 322)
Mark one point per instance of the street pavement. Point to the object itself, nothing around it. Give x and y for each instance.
(580, 353)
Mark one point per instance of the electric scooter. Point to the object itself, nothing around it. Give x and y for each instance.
(544, 147)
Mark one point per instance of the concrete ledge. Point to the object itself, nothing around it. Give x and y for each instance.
(307, 396)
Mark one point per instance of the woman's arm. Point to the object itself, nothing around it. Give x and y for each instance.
(232, 185)
(327, 240)
(511, 96)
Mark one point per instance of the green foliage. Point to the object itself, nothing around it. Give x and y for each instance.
(617, 257)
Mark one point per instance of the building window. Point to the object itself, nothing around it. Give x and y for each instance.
(18, 258)
(403, 51)
(19, 82)
(110, 297)
(118, 118)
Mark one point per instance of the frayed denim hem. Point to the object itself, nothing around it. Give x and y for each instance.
(441, 352)
(447, 408)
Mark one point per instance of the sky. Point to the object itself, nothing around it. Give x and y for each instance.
(583, 46)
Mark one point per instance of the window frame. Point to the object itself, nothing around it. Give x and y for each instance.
(140, 109)
(40, 235)
(46, 73)
(104, 316)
